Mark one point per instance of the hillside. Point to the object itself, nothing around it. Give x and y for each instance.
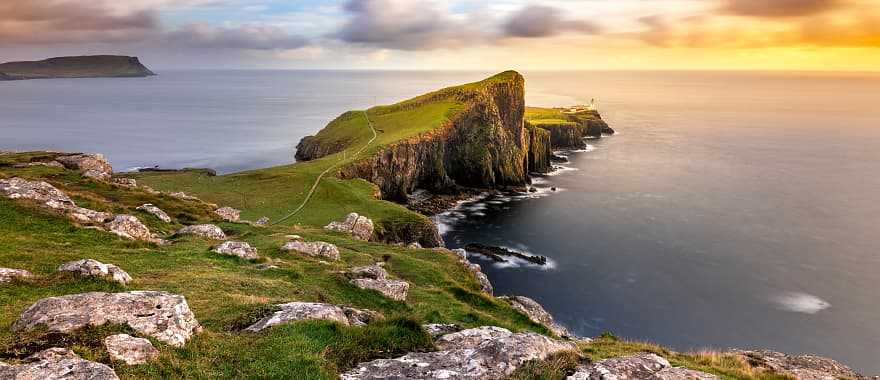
(75, 67)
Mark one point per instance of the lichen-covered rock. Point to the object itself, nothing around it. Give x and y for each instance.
(208, 231)
(237, 248)
(57, 364)
(155, 211)
(494, 357)
(471, 338)
(681, 373)
(801, 367)
(129, 227)
(95, 268)
(358, 226)
(39, 191)
(130, 350)
(8, 274)
(182, 195)
(303, 311)
(536, 313)
(394, 289)
(228, 214)
(161, 315)
(313, 248)
(127, 182)
(374, 271)
(91, 165)
(485, 284)
(264, 221)
(87, 216)
(437, 330)
(640, 366)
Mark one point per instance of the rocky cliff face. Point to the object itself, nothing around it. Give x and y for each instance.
(540, 150)
(75, 67)
(565, 135)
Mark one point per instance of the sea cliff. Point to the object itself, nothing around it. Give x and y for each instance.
(94, 66)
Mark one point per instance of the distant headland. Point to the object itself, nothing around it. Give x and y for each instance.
(92, 66)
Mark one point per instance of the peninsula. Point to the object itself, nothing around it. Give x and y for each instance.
(94, 66)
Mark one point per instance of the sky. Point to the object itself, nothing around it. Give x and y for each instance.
(793, 35)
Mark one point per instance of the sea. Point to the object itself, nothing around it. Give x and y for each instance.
(730, 209)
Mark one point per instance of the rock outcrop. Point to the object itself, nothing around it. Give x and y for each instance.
(228, 214)
(130, 227)
(57, 363)
(437, 330)
(536, 313)
(9, 275)
(130, 350)
(640, 366)
(482, 353)
(95, 268)
(237, 248)
(485, 284)
(801, 367)
(358, 226)
(155, 211)
(375, 277)
(313, 248)
(126, 182)
(565, 134)
(90, 165)
(50, 197)
(208, 231)
(161, 315)
(302, 311)
(540, 150)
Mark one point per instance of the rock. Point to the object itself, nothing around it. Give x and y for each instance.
(485, 284)
(56, 364)
(393, 289)
(801, 367)
(155, 211)
(437, 330)
(266, 266)
(264, 221)
(84, 215)
(640, 366)
(8, 275)
(94, 268)
(237, 248)
(130, 350)
(127, 182)
(91, 165)
(471, 338)
(161, 315)
(39, 191)
(208, 231)
(313, 248)
(302, 311)
(228, 214)
(681, 373)
(358, 226)
(130, 227)
(374, 271)
(414, 245)
(293, 237)
(536, 313)
(494, 357)
(182, 195)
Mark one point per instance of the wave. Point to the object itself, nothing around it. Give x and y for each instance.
(800, 302)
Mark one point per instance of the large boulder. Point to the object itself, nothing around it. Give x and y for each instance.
(228, 214)
(130, 350)
(161, 315)
(394, 289)
(8, 274)
(496, 356)
(536, 313)
(237, 248)
(91, 165)
(640, 366)
(155, 211)
(39, 191)
(801, 367)
(95, 268)
(208, 231)
(129, 227)
(303, 311)
(358, 226)
(56, 364)
(313, 248)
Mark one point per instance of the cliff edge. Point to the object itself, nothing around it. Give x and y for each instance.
(95, 66)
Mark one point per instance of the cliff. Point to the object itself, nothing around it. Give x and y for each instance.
(75, 67)
(568, 129)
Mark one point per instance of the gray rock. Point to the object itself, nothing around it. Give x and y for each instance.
(313, 248)
(536, 313)
(801, 367)
(471, 338)
(8, 274)
(208, 231)
(358, 226)
(129, 227)
(127, 182)
(437, 330)
(57, 364)
(161, 315)
(228, 214)
(130, 350)
(394, 289)
(39, 191)
(485, 284)
(303, 311)
(264, 221)
(87, 216)
(94, 268)
(495, 357)
(182, 195)
(91, 165)
(681, 373)
(374, 271)
(414, 245)
(96, 174)
(639, 366)
(155, 211)
(237, 248)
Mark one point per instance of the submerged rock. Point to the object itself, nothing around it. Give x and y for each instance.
(536, 313)
(95, 268)
(57, 363)
(91, 165)
(801, 367)
(208, 231)
(8, 274)
(358, 226)
(161, 315)
(313, 248)
(228, 214)
(155, 211)
(302, 311)
(237, 248)
(487, 353)
(130, 350)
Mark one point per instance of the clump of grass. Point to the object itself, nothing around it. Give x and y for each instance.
(556, 367)
(252, 316)
(384, 339)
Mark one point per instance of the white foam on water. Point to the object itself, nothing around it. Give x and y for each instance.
(800, 302)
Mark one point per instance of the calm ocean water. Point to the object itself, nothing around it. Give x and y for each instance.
(732, 209)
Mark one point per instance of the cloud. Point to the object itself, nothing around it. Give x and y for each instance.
(542, 21)
(65, 21)
(244, 37)
(778, 8)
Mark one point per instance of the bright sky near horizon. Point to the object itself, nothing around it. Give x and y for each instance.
(453, 35)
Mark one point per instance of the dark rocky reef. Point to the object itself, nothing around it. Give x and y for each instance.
(498, 254)
(94, 66)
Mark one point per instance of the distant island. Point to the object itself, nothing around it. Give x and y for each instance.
(93, 66)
